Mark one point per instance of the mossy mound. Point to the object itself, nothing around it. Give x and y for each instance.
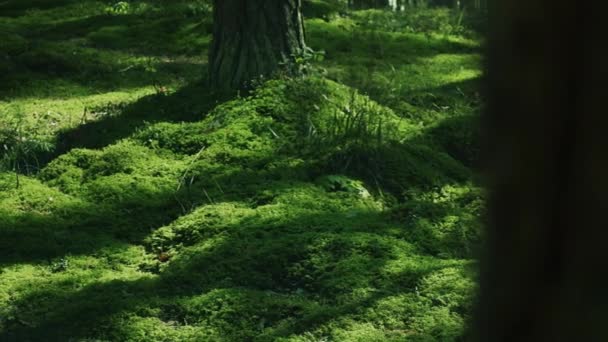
(305, 211)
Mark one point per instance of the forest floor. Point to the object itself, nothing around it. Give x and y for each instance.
(341, 206)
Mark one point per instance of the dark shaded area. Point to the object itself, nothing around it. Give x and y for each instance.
(101, 52)
(121, 121)
(322, 8)
(545, 164)
(16, 8)
(176, 107)
(43, 238)
(460, 137)
(133, 32)
(247, 250)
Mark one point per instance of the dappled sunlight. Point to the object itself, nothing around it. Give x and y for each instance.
(47, 117)
(336, 206)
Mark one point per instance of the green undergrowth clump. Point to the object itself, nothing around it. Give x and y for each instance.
(438, 20)
(304, 211)
(460, 137)
(325, 9)
(417, 62)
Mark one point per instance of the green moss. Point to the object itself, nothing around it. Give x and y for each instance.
(341, 183)
(286, 248)
(67, 171)
(179, 138)
(12, 44)
(307, 210)
(460, 137)
(444, 221)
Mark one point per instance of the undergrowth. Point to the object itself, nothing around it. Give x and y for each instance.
(308, 210)
(268, 224)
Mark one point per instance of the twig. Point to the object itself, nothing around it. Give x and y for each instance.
(208, 197)
(183, 177)
(127, 68)
(83, 120)
(274, 133)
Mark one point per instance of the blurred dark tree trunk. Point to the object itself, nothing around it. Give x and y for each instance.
(473, 4)
(252, 38)
(364, 4)
(543, 277)
(445, 3)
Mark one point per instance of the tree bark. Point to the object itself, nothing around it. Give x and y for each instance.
(543, 275)
(251, 38)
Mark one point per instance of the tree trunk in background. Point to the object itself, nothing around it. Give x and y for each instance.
(365, 4)
(543, 278)
(252, 38)
(445, 3)
(473, 4)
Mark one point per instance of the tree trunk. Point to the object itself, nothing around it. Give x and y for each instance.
(543, 278)
(366, 4)
(252, 38)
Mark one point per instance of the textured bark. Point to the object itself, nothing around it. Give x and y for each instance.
(543, 278)
(251, 38)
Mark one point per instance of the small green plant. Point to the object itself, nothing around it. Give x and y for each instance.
(198, 8)
(356, 123)
(60, 265)
(119, 8)
(150, 66)
(337, 183)
(303, 63)
(110, 109)
(20, 147)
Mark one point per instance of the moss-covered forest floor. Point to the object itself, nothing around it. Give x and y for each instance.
(341, 206)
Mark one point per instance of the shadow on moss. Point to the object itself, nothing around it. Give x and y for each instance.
(261, 282)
